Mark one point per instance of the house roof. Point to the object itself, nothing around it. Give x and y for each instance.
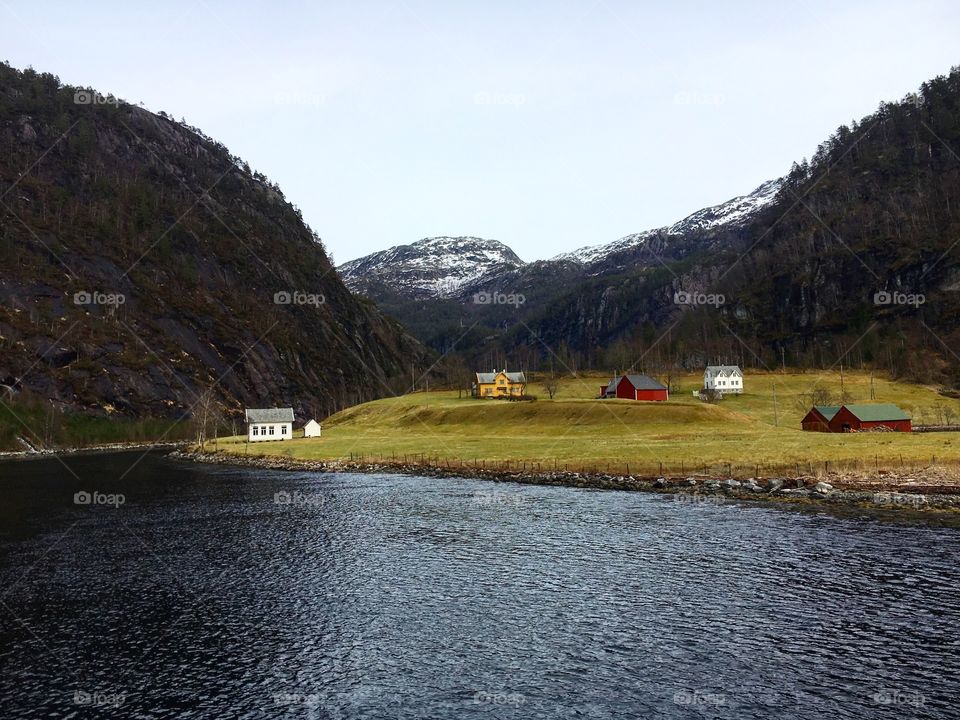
(269, 415)
(723, 370)
(490, 377)
(828, 411)
(644, 382)
(874, 412)
(311, 423)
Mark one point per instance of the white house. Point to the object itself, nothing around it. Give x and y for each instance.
(311, 429)
(269, 424)
(725, 378)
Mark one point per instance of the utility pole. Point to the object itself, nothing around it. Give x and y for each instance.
(873, 392)
(783, 360)
(776, 415)
(842, 392)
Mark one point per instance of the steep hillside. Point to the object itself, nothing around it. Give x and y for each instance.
(142, 266)
(855, 260)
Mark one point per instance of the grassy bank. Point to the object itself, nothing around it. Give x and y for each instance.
(740, 435)
(40, 427)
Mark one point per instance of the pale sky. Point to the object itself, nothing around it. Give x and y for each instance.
(547, 125)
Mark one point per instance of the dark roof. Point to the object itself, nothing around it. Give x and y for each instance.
(877, 412)
(487, 378)
(644, 382)
(828, 411)
(269, 415)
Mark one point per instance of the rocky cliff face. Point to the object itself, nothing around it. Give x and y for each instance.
(142, 268)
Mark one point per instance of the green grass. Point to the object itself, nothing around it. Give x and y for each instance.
(578, 431)
(34, 421)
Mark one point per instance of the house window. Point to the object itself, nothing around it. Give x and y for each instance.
(501, 381)
(283, 429)
(254, 430)
(271, 429)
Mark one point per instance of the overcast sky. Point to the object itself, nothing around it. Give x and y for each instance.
(546, 125)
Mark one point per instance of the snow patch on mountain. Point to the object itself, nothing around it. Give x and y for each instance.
(728, 214)
(436, 267)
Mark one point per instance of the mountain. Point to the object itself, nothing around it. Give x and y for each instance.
(736, 212)
(143, 268)
(437, 267)
(851, 257)
(437, 286)
(854, 260)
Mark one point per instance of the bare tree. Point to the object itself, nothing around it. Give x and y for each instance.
(206, 418)
(551, 383)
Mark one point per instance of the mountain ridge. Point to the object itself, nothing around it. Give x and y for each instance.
(218, 287)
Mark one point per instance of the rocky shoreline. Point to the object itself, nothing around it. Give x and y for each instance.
(111, 447)
(690, 488)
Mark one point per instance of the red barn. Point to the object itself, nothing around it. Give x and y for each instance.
(636, 387)
(819, 417)
(856, 418)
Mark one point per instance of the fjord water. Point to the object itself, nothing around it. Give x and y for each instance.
(215, 592)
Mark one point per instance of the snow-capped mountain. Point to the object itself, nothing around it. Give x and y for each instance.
(457, 267)
(728, 214)
(438, 267)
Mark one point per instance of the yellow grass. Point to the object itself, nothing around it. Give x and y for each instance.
(737, 435)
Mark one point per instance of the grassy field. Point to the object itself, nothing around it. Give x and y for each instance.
(740, 435)
(35, 422)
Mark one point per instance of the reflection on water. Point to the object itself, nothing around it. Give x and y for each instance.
(219, 592)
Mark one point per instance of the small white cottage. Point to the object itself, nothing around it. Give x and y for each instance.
(311, 429)
(269, 424)
(725, 378)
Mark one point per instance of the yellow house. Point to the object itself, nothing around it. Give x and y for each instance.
(500, 384)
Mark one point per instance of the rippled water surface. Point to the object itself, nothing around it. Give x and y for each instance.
(234, 593)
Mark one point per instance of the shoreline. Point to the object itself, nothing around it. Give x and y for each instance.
(92, 449)
(805, 490)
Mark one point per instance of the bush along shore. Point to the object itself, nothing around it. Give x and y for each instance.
(804, 490)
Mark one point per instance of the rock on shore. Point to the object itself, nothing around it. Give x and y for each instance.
(690, 487)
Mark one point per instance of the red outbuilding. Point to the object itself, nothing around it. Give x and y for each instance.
(636, 387)
(857, 418)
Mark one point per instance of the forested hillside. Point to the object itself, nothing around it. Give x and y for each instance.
(142, 268)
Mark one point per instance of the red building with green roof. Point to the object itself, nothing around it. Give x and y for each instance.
(856, 418)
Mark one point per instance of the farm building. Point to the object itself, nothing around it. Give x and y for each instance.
(269, 424)
(856, 418)
(500, 384)
(723, 378)
(819, 417)
(635, 387)
(311, 429)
